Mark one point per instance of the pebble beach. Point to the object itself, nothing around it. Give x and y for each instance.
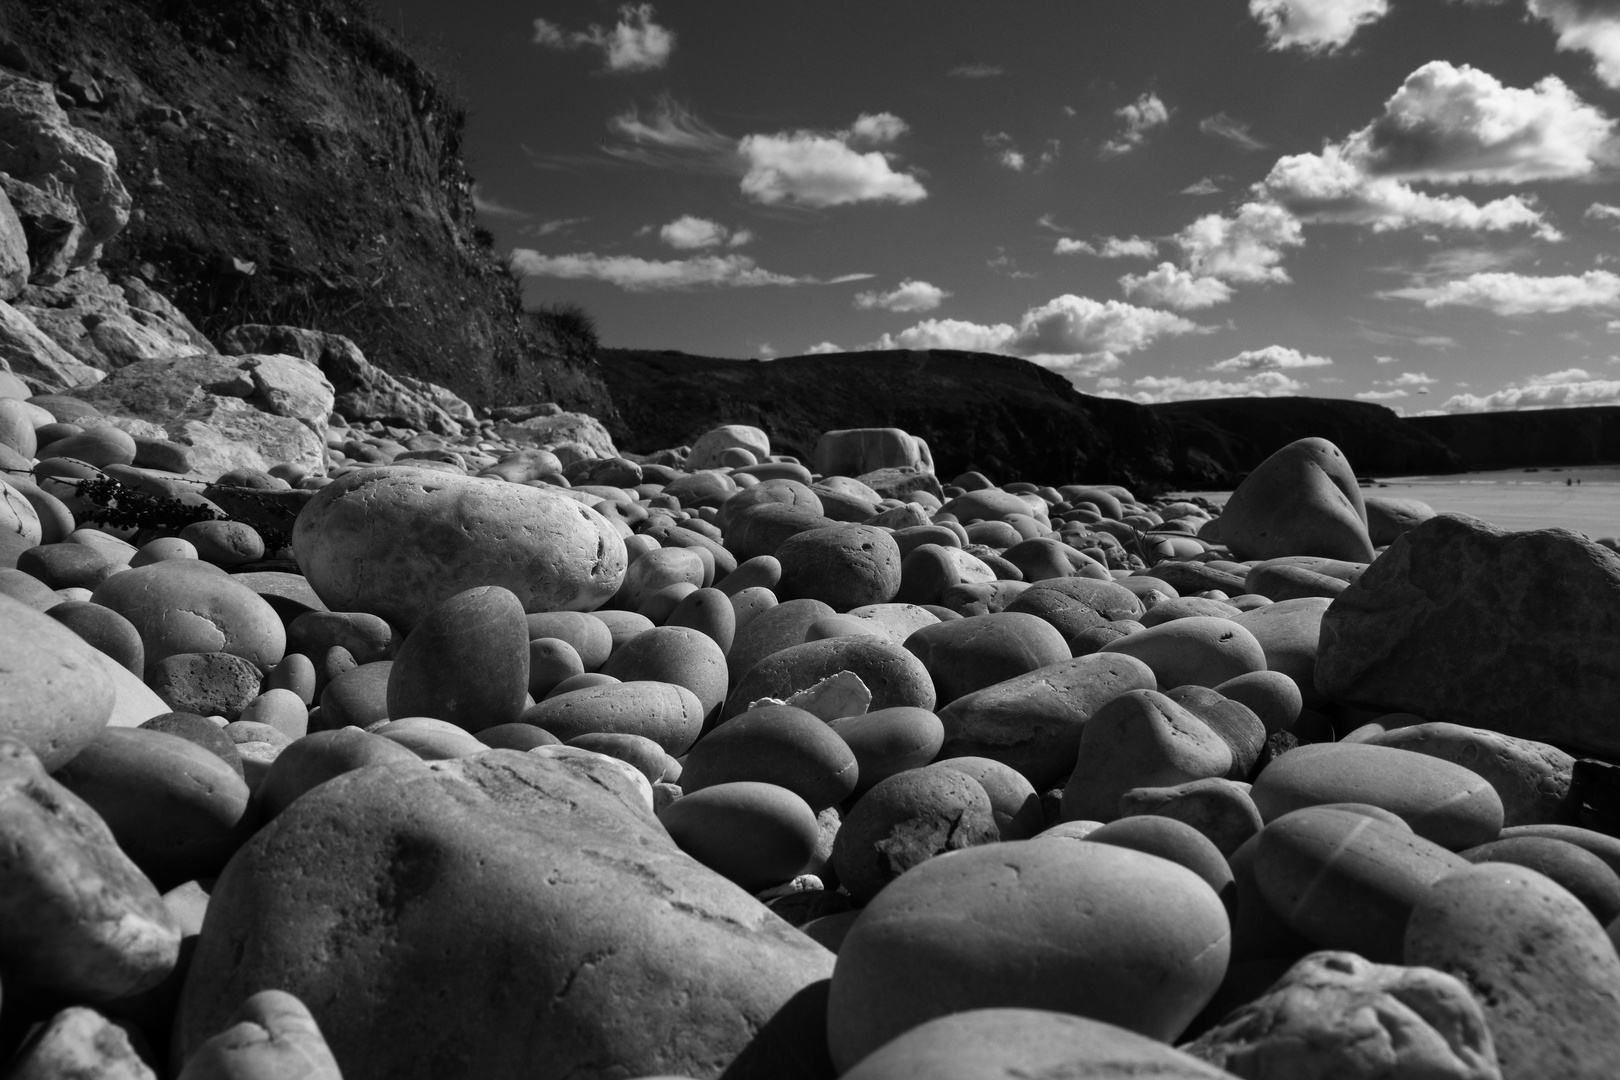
(471, 757)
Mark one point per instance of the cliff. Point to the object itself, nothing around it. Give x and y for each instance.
(291, 162)
(1512, 440)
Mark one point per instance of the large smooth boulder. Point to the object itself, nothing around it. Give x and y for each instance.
(1335, 1016)
(466, 662)
(1465, 623)
(1532, 778)
(565, 932)
(397, 540)
(187, 606)
(55, 694)
(1092, 929)
(1302, 500)
(854, 451)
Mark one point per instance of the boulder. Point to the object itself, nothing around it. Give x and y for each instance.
(273, 1036)
(708, 448)
(1302, 500)
(1465, 623)
(857, 451)
(1335, 1016)
(568, 934)
(79, 1043)
(107, 325)
(362, 390)
(27, 351)
(1389, 517)
(54, 695)
(51, 225)
(1532, 778)
(396, 540)
(583, 432)
(14, 268)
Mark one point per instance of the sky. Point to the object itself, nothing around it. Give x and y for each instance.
(1413, 202)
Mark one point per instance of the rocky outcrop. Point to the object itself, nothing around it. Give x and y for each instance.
(107, 326)
(362, 390)
(248, 412)
(29, 353)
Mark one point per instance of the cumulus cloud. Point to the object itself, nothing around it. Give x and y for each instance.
(1141, 116)
(1560, 389)
(1332, 188)
(1156, 388)
(1603, 212)
(909, 296)
(1204, 186)
(1110, 247)
(877, 129)
(1381, 395)
(1170, 286)
(1246, 247)
(819, 170)
(1412, 378)
(1236, 132)
(1319, 26)
(1454, 124)
(1270, 358)
(1520, 294)
(1075, 335)
(1589, 26)
(1400, 386)
(690, 233)
(634, 43)
(823, 347)
(1007, 153)
(635, 274)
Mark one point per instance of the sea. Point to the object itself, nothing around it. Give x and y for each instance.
(1584, 498)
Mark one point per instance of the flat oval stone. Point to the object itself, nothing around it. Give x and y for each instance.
(1013, 1043)
(1448, 804)
(1271, 695)
(1532, 778)
(322, 756)
(280, 709)
(77, 918)
(1537, 961)
(430, 738)
(551, 660)
(668, 714)
(1198, 651)
(1345, 880)
(893, 675)
(1234, 722)
(1108, 598)
(1587, 877)
(465, 662)
(358, 696)
(104, 628)
(623, 626)
(845, 566)
(54, 697)
(199, 730)
(1014, 803)
(517, 736)
(207, 683)
(1602, 845)
(1090, 929)
(1034, 722)
(589, 636)
(1288, 632)
(757, 834)
(1140, 738)
(657, 570)
(397, 540)
(775, 744)
(906, 820)
(1173, 840)
(970, 654)
(646, 756)
(674, 654)
(1219, 809)
(890, 741)
(368, 637)
(178, 810)
(185, 606)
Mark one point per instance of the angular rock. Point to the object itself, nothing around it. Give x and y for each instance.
(79, 1044)
(26, 351)
(1465, 623)
(561, 918)
(1335, 1016)
(274, 1036)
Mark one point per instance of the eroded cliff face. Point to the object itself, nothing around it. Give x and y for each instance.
(290, 162)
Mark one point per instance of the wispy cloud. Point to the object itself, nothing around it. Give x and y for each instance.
(635, 43)
(1520, 294)
(1270, 358)
(1236, 132)
(635, 274)
(1109, 247)
(1559, 389)
(491, 208)
(1150, 389)
(1140, 116)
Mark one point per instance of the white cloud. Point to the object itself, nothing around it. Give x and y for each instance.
(1270, 358)
(741, 237)
(1141, 116)
(1205, 186)
(1381, 395)
(1453, 124)
(1232, 130)
(910, 296)
(1520, 294)
(1007, 154)
(1331, 188)
(689, 233)
(1603, 212)
(1246, 247)
(823, 347)
(807, 168)
(1387, 359)
(649, 275)
(674, 128)
(1171, 286)
(1110, 247)
(1412, 378)
(1075, 335)
(1154, 388)
(877, 129)
(634, 43)
(1591, 26)
(1315, 25)
(1560, 389)
(494, 209)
